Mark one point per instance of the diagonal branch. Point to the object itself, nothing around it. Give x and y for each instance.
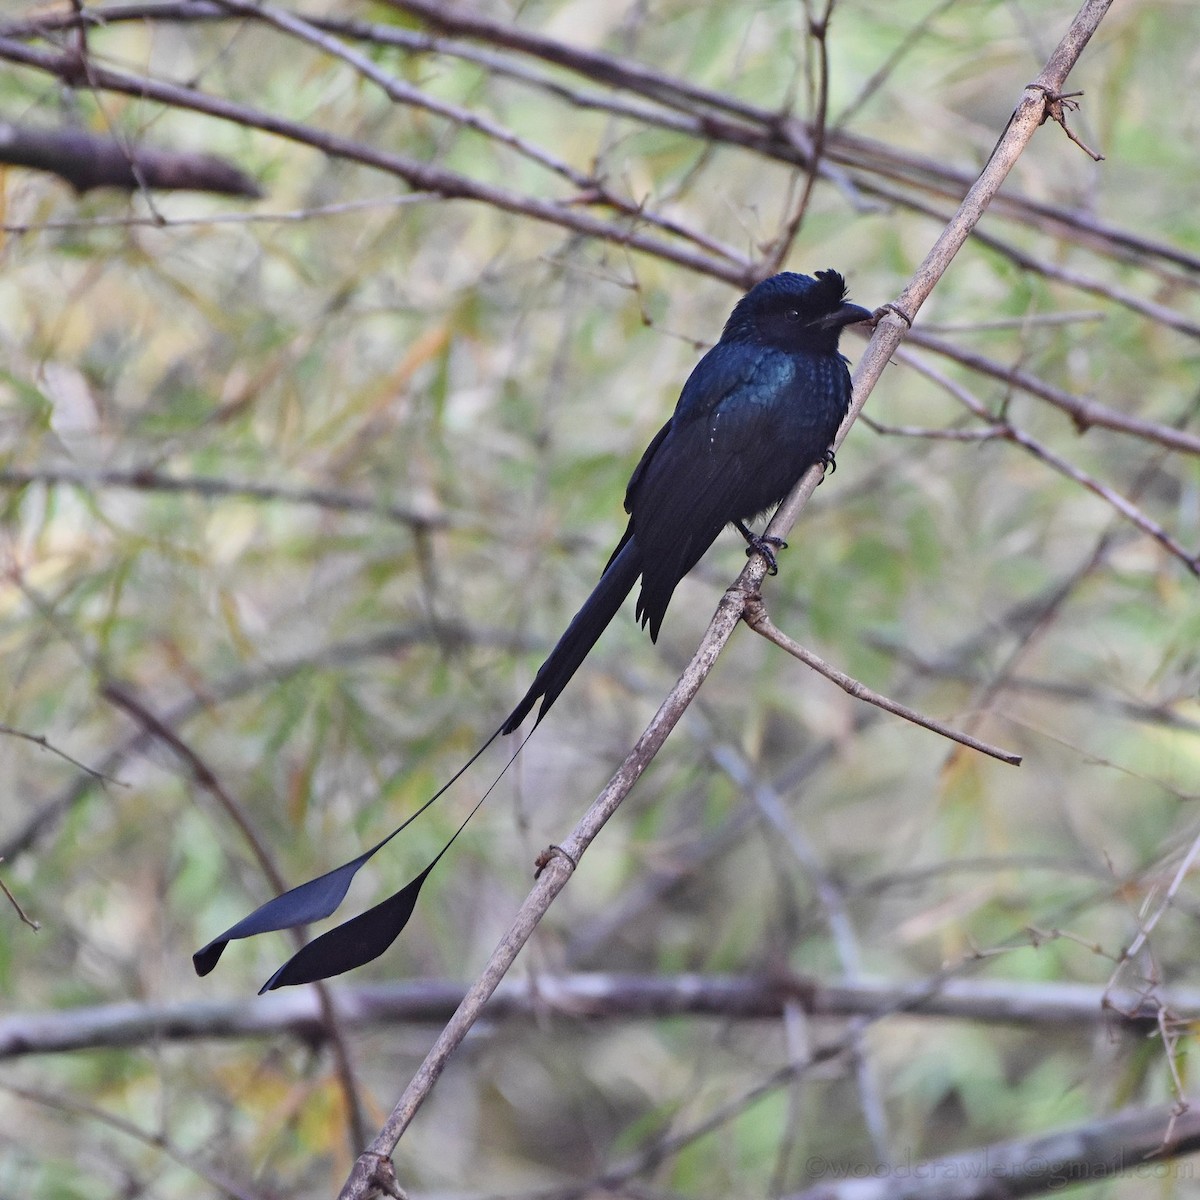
(365, 1179)
(1083, 411)
(400, 92)
(1138, 1140)
(758, 620)
(421, 176)
(1005, 430)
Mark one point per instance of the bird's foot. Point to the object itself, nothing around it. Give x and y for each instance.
(766, 546)
(829, 459)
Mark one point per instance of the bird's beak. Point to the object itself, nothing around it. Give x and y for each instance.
(844, 314)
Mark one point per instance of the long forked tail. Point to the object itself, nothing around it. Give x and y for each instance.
(581, 635)
(365, 937)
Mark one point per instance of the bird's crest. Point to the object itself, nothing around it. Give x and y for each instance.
(813, 295)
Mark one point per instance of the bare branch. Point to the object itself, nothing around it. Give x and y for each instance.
(1047, 268)
(26, 919)
(788, 139)
(161, 221)
(39, 739)
(150, 479)
(595, 191)
(88, 161)
(421, 176)
(693, 110)
(588, 997)
(1137, 1141)
(1058, 104)
(578, 196)
(1146, 927)
(756, 617)
(1007, 431)
(1083, 411)
(1146, 711)
(818, 33)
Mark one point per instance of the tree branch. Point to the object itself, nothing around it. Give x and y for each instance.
(588, 998)
(421, 176)
(1137, 1141)
(758, 620)
(150, 479)
(87, 161)
(1082, 410)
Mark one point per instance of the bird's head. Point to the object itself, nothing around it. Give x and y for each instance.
(794, 312)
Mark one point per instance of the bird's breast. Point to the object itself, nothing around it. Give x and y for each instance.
(778, 424)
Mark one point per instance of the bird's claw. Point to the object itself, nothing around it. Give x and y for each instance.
(766, 546)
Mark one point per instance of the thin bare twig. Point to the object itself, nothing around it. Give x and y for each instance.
(756, 617)
(421, 176)
(1058, 104)
(1146, 927)
(1082, 410)
(1136, 1140)
(1047, 267)
(879, 77)
(150, 479)
(1148, 712)
(39, 739)
(693, 110)
(26, 919)
(404, 93)
(1005, 430)
(162, 221)
(818, 34)
(670, 103)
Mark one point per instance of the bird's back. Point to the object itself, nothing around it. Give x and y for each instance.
(751, 420)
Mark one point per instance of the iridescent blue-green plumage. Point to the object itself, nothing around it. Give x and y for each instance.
(759, 409)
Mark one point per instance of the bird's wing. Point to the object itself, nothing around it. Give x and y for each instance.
(638, 471)
(703, 472)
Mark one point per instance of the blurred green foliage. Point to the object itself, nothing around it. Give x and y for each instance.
(502, 376)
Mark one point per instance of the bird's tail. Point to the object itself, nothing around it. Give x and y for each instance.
(581, 635)
(362, 938)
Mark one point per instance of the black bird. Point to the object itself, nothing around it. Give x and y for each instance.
(760, 408)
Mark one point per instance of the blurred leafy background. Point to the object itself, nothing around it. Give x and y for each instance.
(481, 384)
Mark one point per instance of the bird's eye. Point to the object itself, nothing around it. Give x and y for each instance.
(792, 315)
